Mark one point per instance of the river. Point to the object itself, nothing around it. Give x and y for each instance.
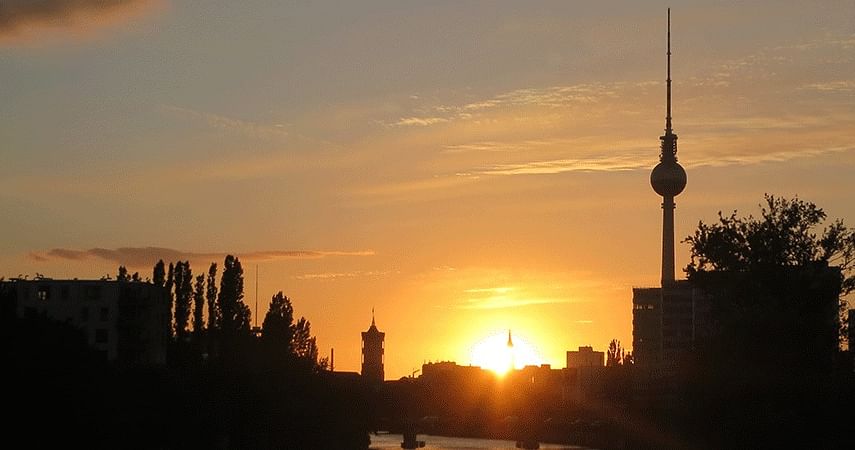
(393, 442)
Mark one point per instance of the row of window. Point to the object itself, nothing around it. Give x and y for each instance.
(103, 314)
(44, 292)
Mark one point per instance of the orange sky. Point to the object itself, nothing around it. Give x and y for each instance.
(463, 168)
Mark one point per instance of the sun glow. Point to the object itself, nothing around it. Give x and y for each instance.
(496, 353)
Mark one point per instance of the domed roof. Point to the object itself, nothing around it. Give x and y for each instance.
(668, 178)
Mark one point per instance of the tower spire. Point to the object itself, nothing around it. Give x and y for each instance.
(372, 317)
(668, 80)
(510, 341)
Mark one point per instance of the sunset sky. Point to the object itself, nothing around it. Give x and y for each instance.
(464, 168)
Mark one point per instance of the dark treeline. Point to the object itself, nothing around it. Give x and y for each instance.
(223, 386)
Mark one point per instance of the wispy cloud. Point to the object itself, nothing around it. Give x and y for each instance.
(405, 190)
(21, 20)
(501, 302)
(504, 297)
(244, 127)
(144, 256)
(836, 87)
(325, 276)
(626, 162)
(595, 164)
(492, 290)
(549, 97)
(419, 121)
(772, 157)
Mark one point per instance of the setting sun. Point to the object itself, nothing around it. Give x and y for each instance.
(501, 352)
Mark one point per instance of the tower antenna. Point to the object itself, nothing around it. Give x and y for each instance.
(668, 80)
(256, 296)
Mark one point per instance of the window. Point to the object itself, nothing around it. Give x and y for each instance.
(93, 292)
(64, 292)
(84, 314)
(43, 293)
(101, 336)
(105, 314)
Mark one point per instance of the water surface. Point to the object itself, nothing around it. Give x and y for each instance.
(393, 441)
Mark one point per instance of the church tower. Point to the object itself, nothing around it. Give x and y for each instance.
(372, 353)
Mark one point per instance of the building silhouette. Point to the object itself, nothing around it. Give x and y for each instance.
(127, 322)
(851, 329)
(373, 348)
(585, 357)
(662, 317)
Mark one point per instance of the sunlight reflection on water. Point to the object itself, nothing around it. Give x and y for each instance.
(393, 442)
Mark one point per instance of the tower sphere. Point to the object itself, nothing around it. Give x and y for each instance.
(668, 178)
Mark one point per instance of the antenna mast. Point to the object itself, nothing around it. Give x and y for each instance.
(256, 296)
(668, 80)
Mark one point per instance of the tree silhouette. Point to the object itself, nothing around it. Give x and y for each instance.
(615, 354)
(774, 269)
(235, 315)
(158, 275)
(303, 343)
(211, 294)
(784, 236)
(123, 276)
(183, 297)
(282, 335)
(278, 323)
(199, 306)
(169, 284)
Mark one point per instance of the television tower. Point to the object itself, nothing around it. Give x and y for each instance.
(668, 179)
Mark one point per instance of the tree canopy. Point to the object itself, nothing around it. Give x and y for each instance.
(785, 234)
(778, 283)
(291, 339)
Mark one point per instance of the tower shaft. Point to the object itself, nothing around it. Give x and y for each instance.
(668, 241)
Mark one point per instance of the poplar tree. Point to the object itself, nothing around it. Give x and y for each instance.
(169, 284)
(211, 293)
(199, 306)
(158, 276)
(235, 315)
(183, 297)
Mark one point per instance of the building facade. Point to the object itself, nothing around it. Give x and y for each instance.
(585, 357)
(127, 322)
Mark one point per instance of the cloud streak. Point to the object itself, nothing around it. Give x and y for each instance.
(502, 297)
(551, 97)
(246, 128)
(144, 256)
(328, 276)
(25, 17)
(419, 121)
(626, 162)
